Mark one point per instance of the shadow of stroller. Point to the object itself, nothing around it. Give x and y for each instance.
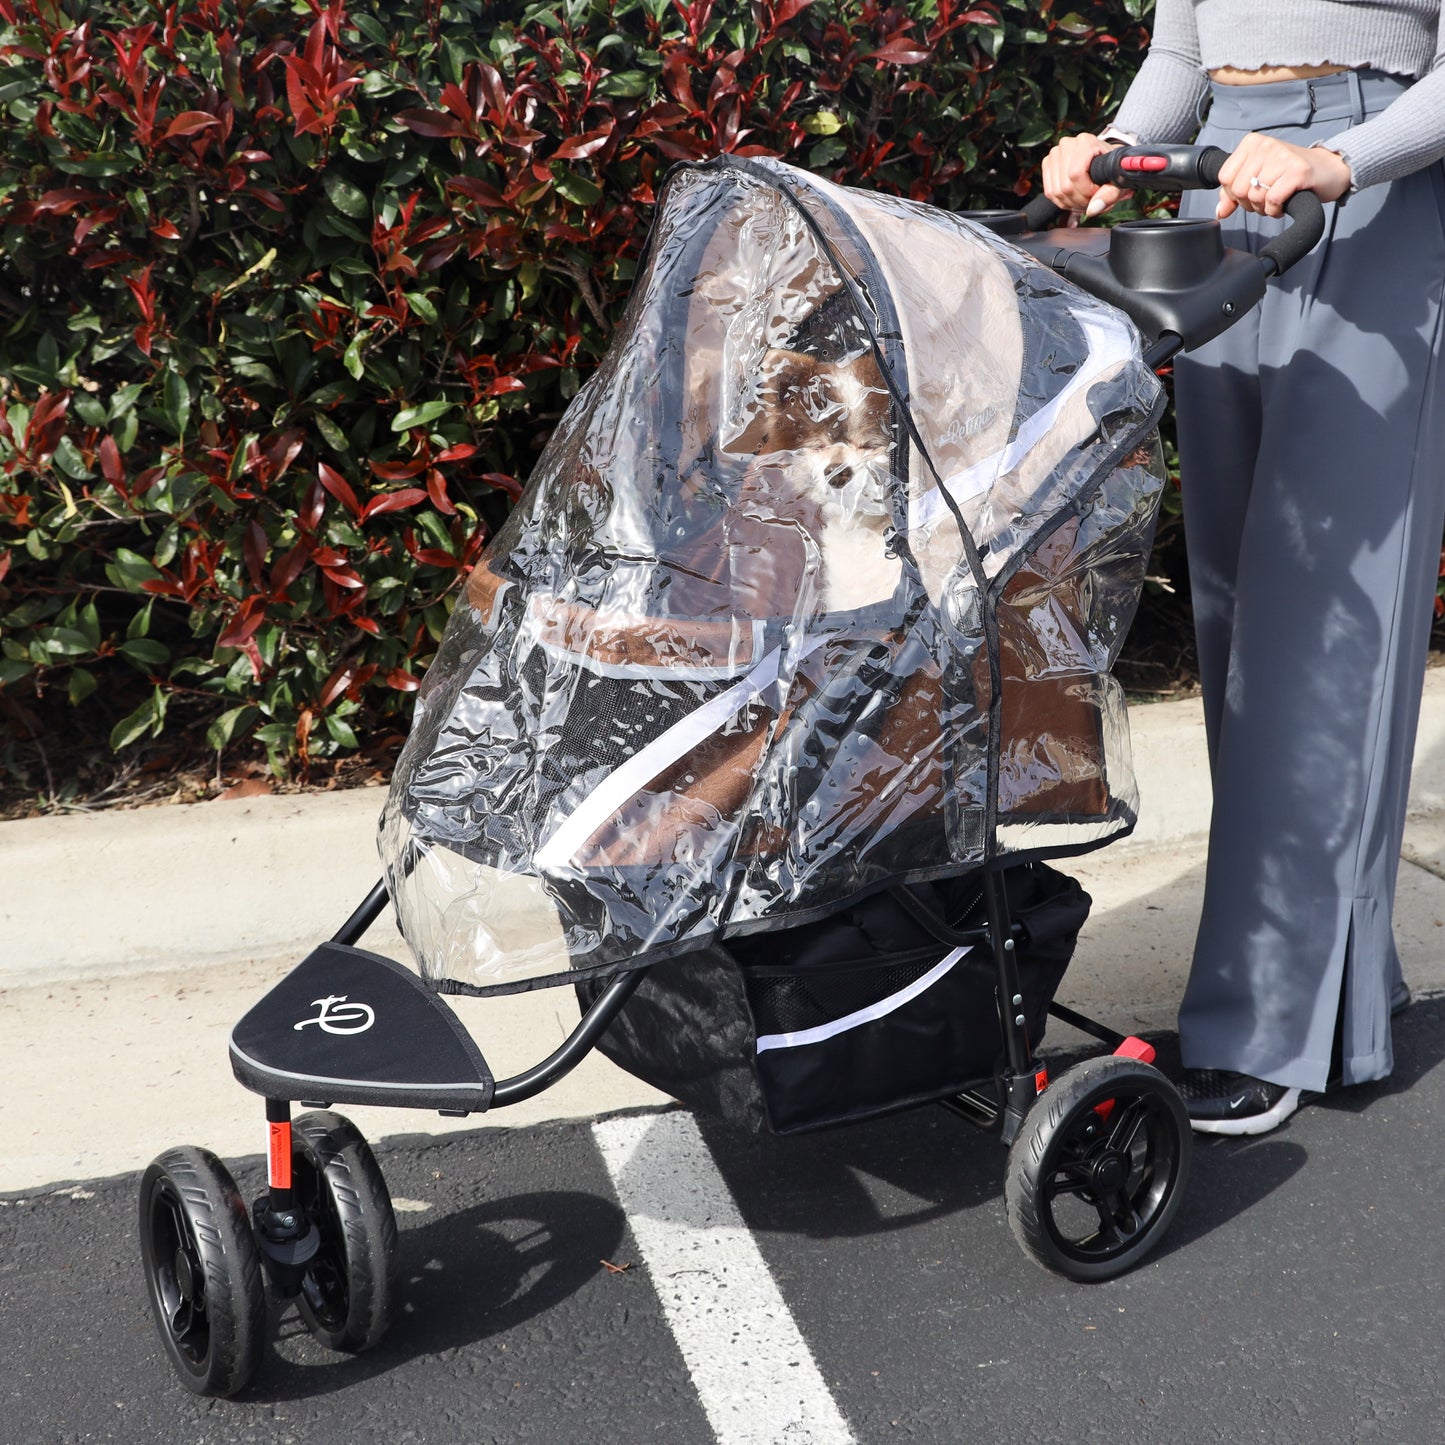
(922, 1165)
(465, 1277)
(487, 1268)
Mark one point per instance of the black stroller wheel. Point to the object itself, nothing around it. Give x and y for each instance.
(202, 1271)
(1098, 1170)
(349, 1287)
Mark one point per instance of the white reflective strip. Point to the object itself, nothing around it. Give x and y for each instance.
(755, 1376)
(625, 782)
(1110, 344)
(862, 1016)
(647, 671)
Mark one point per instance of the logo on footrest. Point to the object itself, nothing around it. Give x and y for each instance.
(354, 1018)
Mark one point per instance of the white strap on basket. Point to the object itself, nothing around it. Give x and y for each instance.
(885, 1006)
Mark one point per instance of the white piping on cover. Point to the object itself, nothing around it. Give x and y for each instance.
(625, 782)
(800, 1038)
(1110, 345)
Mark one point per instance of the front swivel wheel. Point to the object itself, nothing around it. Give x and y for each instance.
(349, 1289)
(202, 1271)
(1098, 1170)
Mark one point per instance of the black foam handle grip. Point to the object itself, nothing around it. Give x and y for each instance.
(1041, 213)
(1307, 225)
(1189, 168)
(1160, 168)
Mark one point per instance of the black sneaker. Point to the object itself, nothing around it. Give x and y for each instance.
(1225, 1103)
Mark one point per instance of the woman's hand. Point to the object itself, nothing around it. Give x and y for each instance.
(1262, 173)
(1066, 176)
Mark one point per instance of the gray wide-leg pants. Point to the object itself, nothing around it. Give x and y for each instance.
(1310, 438)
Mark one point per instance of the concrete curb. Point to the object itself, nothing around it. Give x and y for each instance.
(131, 942)
(166, 888)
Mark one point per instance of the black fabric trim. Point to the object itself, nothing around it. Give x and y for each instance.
(414, 1030)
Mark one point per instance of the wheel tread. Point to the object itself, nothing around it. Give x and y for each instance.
(362, 1203)
(234, 1291)
(1077, 1089)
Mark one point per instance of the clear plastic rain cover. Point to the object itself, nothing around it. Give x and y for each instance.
(816, 588)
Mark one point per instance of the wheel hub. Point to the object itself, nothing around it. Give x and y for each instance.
(185, 1275)
(1109, 1173)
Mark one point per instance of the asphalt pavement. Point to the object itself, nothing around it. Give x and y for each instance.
(1297, 1298)
(1295, 1301)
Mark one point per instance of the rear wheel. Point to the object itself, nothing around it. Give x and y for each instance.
(349, 1288)
(202, 1270)
(1098, 1170)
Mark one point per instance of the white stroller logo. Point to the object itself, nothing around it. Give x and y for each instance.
(355, 1018)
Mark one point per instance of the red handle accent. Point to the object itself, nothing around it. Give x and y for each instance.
(1143, 163)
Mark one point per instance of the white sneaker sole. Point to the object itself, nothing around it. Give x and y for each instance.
(1253, 1123)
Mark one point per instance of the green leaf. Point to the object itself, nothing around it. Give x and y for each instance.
(422, 305)
(110, 165)
(177, 401)
(140, 624)
(352, 359)
(822, 122)
(229, 724)
(124, 399)
(371, 28)
(625, 85)
(136, 725)
(577, 189)
(133, 563)
(336, 439)
(65, 642)
(67, 459)
(341, 731)
(88, 624)
(90, 409)
(412, 416)
(145, 652)
(347, 197)
(82, 684)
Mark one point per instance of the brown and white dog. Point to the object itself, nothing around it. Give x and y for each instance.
(818, 421)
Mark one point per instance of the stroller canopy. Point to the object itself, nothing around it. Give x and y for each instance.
(815, 589)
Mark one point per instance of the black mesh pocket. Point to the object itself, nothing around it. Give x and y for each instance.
(786, 1003)
(836, 1045)
(852, 1017)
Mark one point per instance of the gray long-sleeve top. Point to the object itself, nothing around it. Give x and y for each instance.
(1401, 37)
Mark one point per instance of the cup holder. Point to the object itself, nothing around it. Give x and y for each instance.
(1165, 255)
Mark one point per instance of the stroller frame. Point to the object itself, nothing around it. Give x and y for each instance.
(1017, 1086)
(1109, 1136)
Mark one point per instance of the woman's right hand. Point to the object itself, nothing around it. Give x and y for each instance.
(1066, 176)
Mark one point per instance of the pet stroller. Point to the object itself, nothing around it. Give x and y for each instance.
(756, 726)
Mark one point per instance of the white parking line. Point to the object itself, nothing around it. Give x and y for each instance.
(753, 1371)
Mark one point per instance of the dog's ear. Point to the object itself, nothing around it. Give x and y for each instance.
(802, 402)
(779, 418)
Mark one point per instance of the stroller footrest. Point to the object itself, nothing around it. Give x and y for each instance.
(352, 1027)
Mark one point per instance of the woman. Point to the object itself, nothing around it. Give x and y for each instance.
(1313, 443)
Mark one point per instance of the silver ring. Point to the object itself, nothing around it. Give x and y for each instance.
(1255, 184)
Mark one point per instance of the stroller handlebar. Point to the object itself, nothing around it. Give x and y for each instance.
(1192, 168)
(1175, 277)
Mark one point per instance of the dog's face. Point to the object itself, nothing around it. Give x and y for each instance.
(820, 407)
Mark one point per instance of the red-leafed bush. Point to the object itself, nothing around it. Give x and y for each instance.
(291, 295)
